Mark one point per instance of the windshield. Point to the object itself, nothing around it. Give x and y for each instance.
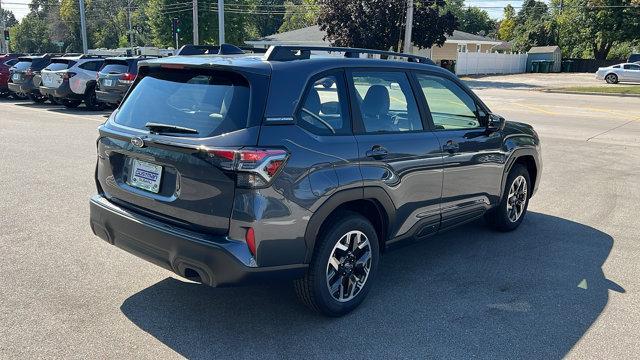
(211, 102)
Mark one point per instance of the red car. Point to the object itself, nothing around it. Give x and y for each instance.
(6, 62)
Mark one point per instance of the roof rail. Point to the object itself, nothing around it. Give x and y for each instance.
(292, 52)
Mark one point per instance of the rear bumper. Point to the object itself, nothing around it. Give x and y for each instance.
(61, 92)
(25, 88)
(218, 260)
(110, 97)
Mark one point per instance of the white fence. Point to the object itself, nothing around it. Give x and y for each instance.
(470, 63)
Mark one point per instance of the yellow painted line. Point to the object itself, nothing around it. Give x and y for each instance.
(398, 100)
(535, 108)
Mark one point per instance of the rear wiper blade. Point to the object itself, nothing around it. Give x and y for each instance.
(167, 128)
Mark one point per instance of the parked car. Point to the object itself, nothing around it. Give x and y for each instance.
(238, 169)
(634, 58)
(6, 62)
(116, 76)
(70, 80)
(25, 76)
(621, 72)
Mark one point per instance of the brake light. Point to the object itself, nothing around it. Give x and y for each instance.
(127, 78)
(29, 72)
(255, 167)
(251, 241)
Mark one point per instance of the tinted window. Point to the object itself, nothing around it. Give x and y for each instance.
(11, 62)
(451, 107)
(22, 65)
(386, 102)
(322, 111)
(632, 67)
(114, 68)
(212, 103)
(62, 65)
(91, 65)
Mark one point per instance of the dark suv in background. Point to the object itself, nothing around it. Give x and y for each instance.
(231, 169)
(115, 77)
(6, 62)
(25, 77)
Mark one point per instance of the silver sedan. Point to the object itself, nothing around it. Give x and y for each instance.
(629, 72)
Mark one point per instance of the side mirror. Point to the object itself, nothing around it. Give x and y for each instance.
(495, 123)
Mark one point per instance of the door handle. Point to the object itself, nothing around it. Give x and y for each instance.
(451, 147)
(377, 152)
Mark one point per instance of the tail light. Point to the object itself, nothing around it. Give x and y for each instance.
(29, 72)
(68, 75)
(255, 167)
(127, 78)
(250, 238)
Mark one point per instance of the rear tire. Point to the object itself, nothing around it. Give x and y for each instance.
(91, 101)
(36, 98)
(345, 260)
(508, 215)
(611, 79)
(70, 104)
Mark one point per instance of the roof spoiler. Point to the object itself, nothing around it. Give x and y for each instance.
(292, 52)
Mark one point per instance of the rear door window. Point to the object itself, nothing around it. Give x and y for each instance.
(209, 102)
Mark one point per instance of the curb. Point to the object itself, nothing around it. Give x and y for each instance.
(587, 93)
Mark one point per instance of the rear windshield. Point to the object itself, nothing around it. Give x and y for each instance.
(22, 65)
(211, 102)
(60, 65)
(112, 67)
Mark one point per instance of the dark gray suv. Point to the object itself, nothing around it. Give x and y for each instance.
(232, 169)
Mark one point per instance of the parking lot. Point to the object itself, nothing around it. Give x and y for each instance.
(470, 292)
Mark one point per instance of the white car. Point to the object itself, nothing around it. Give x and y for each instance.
(629, 72)
(72, 79)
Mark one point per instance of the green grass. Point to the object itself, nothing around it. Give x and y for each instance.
(611, 89)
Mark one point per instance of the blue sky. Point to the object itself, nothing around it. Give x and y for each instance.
(493, 7)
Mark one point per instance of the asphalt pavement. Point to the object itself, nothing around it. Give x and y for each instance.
(565, 284)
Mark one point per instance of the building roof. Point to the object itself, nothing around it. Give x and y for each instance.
(543, 49)
(313, 36)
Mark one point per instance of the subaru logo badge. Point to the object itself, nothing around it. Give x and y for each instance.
(137, 142)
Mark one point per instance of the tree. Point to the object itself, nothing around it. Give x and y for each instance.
(9, 18)
(379, 24)
(508, 24)
(31, 35)
(470, 19)
(535, 26)
(299, 14)
(594, 27)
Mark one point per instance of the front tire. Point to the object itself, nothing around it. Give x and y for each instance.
(343, 267)
(37, 98)
(611, 79)
(508, 215)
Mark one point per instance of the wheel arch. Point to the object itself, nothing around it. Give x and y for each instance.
(371, 202)
(529, 158)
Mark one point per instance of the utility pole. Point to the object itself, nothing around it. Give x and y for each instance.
(195, 22)
(408, 28)
(83, 28)
(130, 30)
(4, 48)
(221, 22)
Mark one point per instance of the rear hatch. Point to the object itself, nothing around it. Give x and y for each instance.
(116, 75)
(20, 70)
(153, 152)
(54, 74)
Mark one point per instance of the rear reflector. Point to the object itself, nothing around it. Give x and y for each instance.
(251, 241)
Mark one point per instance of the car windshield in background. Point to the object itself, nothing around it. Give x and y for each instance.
(114, 68)
(57, 66)
(23, 65)
(211, 103)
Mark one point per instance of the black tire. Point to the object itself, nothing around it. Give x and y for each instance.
(91, 101)
(499, 217)
(611, 79)
(70, 104)
(4, 95)
(313, 289)
(37, 98)
(19, 96)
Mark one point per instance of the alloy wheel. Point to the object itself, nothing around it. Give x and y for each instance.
(517, 198)
(349, 266)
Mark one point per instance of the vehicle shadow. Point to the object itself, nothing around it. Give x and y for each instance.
(81, 110)
(488, 84)
(470, 292)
